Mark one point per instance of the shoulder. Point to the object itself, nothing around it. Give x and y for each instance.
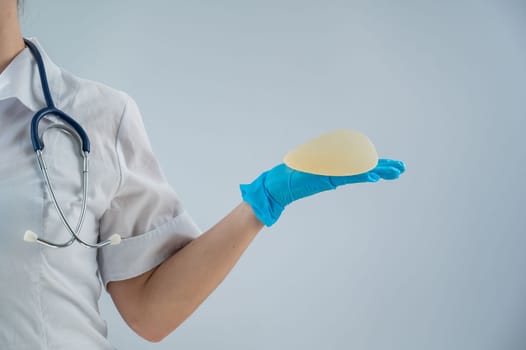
(91, 101)
(100, 109)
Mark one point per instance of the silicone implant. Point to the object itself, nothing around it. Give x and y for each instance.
(341, 152)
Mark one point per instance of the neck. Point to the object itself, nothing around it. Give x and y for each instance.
(11, 40)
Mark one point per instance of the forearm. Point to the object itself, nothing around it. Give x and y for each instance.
(181, 283)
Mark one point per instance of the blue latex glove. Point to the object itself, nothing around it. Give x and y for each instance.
(278, 187)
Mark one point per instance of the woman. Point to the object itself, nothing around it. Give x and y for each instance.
(165, 266)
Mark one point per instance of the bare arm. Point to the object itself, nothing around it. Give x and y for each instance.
(157, 302)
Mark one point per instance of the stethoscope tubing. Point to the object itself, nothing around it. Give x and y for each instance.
(38, 147)
(37, 144)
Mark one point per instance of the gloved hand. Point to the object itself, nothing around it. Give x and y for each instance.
(278, 187)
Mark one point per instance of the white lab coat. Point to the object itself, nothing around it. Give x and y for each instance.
(48, 297)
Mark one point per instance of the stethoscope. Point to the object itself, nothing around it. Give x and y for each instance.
(76, 131)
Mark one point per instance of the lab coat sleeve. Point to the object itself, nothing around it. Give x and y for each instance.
(145, 210)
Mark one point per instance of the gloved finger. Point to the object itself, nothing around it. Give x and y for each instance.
(369, 176)
(392, 163)
(387, 172)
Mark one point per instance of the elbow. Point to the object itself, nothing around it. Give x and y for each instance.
(149, 319)
(153, 338)
(150, 332)
(154, 331)
(151, 335)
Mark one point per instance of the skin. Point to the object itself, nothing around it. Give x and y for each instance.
(11, 41)
(155, 303)
(169, 294)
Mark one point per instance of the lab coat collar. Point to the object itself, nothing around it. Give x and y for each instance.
(21, 79)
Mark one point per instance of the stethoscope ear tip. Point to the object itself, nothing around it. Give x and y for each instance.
(30, 236)
(115, 239)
